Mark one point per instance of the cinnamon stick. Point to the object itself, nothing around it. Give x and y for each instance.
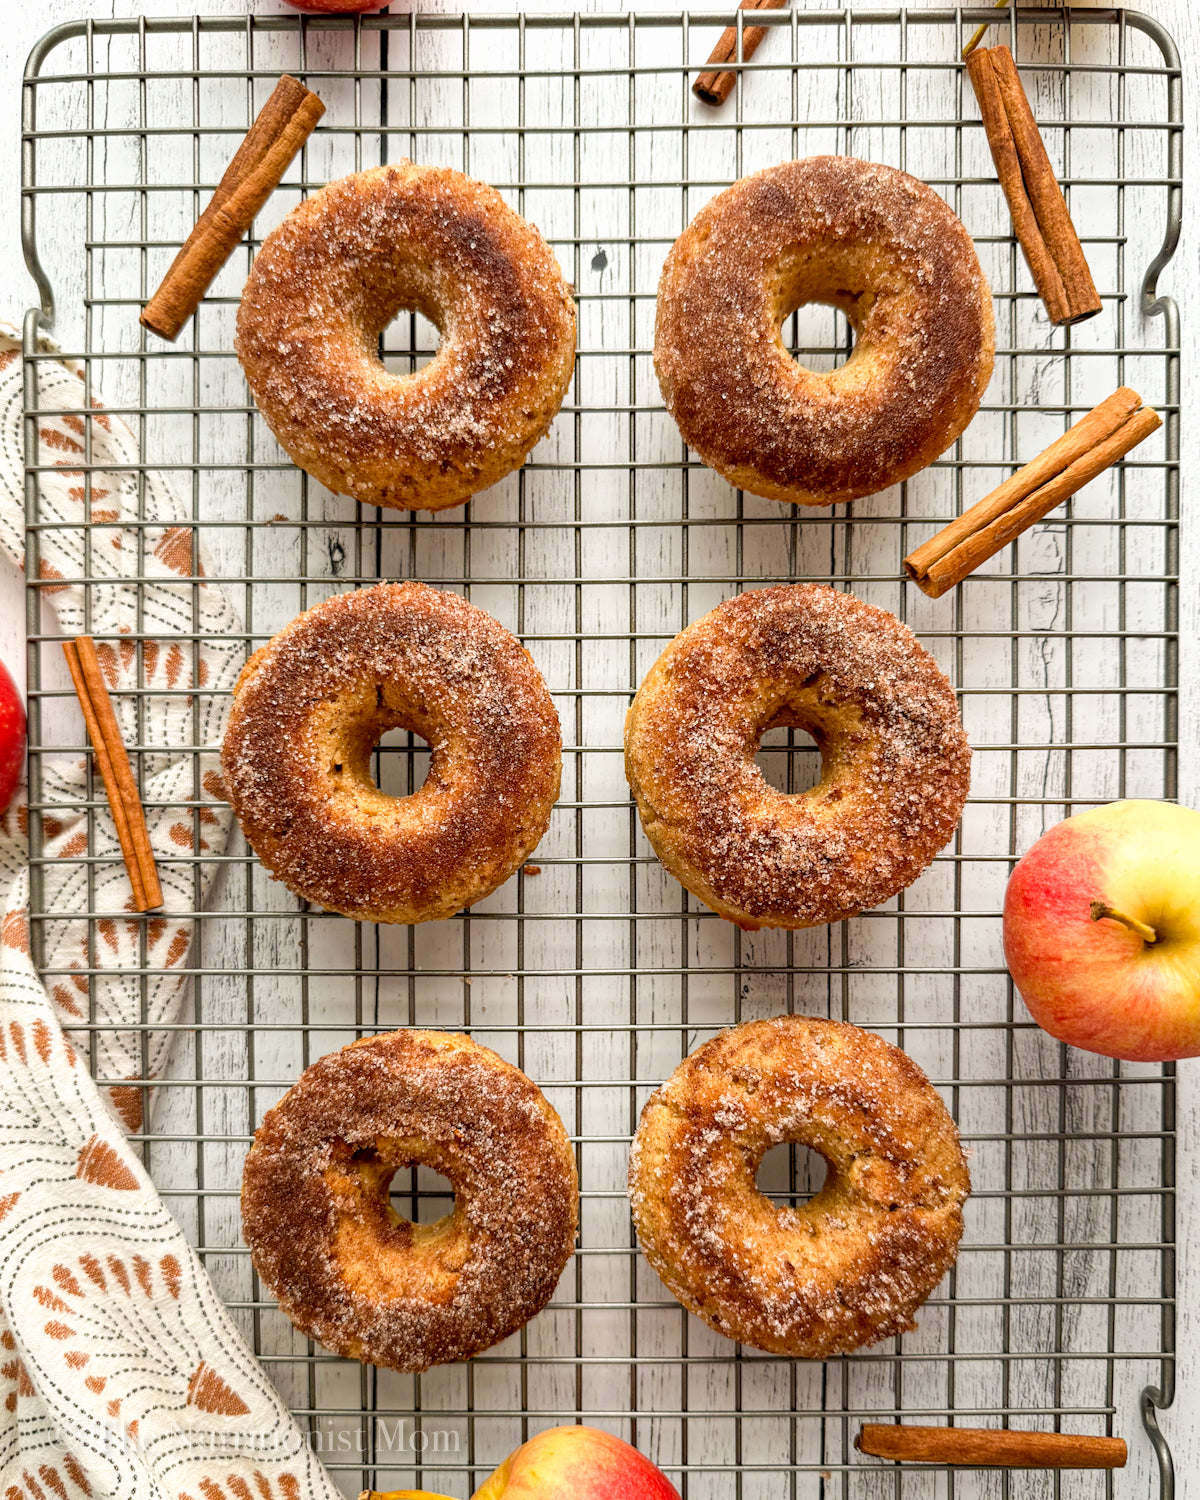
(120, 785)
(1093, 444)
(991, 1448)
(283, 125)
(716, 84)
(1039, 211)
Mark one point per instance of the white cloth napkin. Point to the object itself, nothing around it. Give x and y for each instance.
(121, 1373)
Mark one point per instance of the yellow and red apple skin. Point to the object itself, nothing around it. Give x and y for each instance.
(576, 1463)
(1097, 984)
(336, 7)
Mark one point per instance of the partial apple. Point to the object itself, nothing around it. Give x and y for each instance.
(1102, 931)
(12, 738)
(336, 7)
(576, 1463)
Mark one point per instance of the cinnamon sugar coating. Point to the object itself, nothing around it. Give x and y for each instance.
(336, 272)
(346, 1269)
(895, 761)
(846, 1269)
(312, 704)
(874, 242)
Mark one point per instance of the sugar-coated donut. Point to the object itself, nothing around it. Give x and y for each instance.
(851, 1266)
(887, 251)
(312, 704)
(372, 1286)
(895, 761)
(336, 272)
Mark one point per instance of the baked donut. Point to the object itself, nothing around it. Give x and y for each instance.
(346, 1269)
(895, 762)
(313, 703)
(335, 273)
(877, 244)
(851, 1266)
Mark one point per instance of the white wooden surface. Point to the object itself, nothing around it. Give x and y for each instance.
(1183, 1423)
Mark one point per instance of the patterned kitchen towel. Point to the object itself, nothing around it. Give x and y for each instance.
(91, 975)
(121, 1373)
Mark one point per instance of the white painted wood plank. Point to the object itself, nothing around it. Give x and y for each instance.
(663, 608)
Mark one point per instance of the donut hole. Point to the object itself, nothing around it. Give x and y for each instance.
(402, 759)
(818, 336)
(789, 759)
(420, 1195)
(790, 1174)
(374, 751)
(409, 342)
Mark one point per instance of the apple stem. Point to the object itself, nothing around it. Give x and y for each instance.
(1101, 909)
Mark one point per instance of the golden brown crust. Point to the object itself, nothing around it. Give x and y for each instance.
(888, 252)
(310, 707)
(851, 1266)
(345, 1268)
(334, 274)
(895, 760)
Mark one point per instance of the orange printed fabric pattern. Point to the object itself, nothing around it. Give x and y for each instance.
(121, 1373)
(171, 653)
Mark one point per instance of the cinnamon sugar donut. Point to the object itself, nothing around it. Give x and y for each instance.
(372, 1286)
(895, 762)
(851, 1266)
(877, 244)
(313, 703)
(336, 272)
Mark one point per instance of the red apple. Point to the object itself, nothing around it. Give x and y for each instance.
(12, 737)
(1102, 931)
(576, 1463)
(337, 7)
(567, 1463)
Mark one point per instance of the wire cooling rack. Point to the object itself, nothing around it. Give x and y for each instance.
(596, 974)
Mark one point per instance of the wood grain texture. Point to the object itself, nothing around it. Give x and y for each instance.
(330, 546)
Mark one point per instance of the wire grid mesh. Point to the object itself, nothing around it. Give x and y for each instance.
(593, 970)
